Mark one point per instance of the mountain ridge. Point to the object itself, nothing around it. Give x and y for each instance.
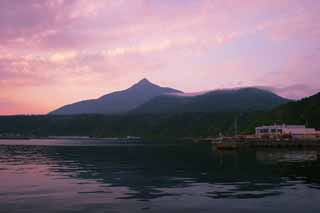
(146, 97)
(240, 99)
(116, 102)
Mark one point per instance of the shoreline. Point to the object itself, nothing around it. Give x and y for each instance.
(66, 138)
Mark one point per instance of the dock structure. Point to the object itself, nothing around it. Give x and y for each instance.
(283, 131)
(272, 144)
(236, 143)
(275, 136)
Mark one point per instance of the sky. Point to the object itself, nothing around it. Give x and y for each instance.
(55, 52)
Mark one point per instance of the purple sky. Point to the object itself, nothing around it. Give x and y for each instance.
(61, 51)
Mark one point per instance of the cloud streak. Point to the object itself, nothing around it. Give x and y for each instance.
(83, 49)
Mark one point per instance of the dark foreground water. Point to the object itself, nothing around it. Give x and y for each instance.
(48, 176)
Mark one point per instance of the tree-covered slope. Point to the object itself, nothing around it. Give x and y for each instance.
(305, 111)
(235, 100)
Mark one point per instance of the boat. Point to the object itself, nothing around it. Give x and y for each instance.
(227, 146)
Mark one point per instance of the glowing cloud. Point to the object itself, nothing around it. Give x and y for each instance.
(82, 49)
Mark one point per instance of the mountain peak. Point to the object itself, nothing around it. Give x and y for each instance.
(143, 83)
(144, 80)
(118, 102)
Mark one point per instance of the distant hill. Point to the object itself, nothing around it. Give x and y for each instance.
(305, 111)
(117, 102)
(233, 100)
(145, 97)
(175, 125)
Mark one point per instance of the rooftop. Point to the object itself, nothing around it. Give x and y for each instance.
(282, 126)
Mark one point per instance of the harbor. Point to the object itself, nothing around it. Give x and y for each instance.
(275, 136)
(236, 144)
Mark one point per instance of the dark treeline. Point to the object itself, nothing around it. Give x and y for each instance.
(148, 126)
(306, 111)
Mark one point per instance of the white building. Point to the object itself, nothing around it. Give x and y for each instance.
(296, 131)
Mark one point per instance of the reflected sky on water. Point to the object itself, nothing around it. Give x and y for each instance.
(161, 178)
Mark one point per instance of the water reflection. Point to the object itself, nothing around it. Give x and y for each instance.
(276, 156)
(146, 173)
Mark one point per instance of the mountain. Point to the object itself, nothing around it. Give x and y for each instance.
(304, 111)
(117, 102)
(164, 116)
(233, 100)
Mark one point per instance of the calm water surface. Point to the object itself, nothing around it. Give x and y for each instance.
(95, 176)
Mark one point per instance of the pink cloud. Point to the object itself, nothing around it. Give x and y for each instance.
(296, 91)
(83, 49)
(299, 69)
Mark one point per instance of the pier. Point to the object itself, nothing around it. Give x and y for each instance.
(236, 142)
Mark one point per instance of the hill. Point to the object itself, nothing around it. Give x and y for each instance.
(305, 111)
(172, 125)
(233, 100)
(117, 102)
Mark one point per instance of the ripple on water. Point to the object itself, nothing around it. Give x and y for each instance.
(155, 179)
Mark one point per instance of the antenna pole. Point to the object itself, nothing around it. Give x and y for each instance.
(236, 126)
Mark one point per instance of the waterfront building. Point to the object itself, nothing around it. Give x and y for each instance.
(294, 131)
